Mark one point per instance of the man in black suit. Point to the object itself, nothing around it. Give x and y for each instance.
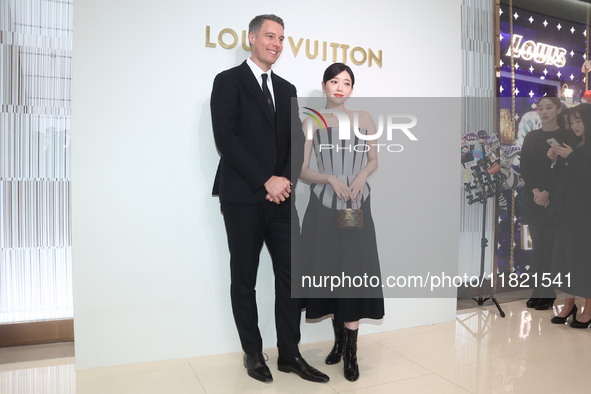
(255, 135)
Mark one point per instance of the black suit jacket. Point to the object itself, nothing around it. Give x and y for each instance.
(252, 142)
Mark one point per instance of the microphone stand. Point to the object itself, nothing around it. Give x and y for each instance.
(486, 186)
(483, 244)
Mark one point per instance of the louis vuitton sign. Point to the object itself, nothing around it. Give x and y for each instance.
(313, 49)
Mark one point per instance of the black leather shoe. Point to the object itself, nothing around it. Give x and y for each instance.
(300, 367)
(544, 303)
(256, 367)
(562, 320)
(532, 302)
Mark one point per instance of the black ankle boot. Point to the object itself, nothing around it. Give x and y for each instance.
(350, 355)
(339, 343)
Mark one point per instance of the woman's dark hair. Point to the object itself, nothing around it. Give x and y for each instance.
(556, 101)
(583, 111)
(335, 69)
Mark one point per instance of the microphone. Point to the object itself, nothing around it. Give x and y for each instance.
(481, 166)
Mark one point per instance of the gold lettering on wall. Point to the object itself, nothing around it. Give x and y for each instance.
(208, 43)
(227, 38)
(334, 47)
(309, 53)
(375, 58)
(225, 44)
(245, 42)
(355, 59)
(344, 47)
(295, 48)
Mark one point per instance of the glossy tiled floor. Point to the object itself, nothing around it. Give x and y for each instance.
(479, 352)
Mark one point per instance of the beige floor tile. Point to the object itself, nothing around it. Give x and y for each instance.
(479, 352)
(582, 336)
(428, 384)
(313, 353)
(568, 362)
(140, 379)
(403, 332)
(211, 364)
(512, 374)
(522, 329)
(224, 373)
(235, 380)
(131, 369)
(441, 349)
(377, 365)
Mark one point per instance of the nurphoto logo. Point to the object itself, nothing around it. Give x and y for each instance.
(388, 124)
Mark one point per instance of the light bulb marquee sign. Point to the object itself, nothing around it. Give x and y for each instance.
(539, 52)
(313, 49)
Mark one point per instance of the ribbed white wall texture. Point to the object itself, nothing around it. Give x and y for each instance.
(35, 230)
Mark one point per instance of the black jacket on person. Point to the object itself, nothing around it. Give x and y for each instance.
(571, 207)
(253, 143)
(536, 171)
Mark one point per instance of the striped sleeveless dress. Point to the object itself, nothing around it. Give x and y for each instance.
(330, 251)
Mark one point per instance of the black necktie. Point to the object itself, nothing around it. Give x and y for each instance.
(267, 94)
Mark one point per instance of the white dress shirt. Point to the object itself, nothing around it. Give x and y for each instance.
(257, 71)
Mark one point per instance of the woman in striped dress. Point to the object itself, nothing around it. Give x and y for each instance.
(339, 181)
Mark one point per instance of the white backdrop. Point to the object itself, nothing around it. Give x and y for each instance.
(151, 271)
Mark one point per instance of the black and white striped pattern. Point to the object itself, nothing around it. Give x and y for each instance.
(344, 162)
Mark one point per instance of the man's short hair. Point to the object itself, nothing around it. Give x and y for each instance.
(257, 22)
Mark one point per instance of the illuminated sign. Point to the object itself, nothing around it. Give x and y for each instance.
(537, 51)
